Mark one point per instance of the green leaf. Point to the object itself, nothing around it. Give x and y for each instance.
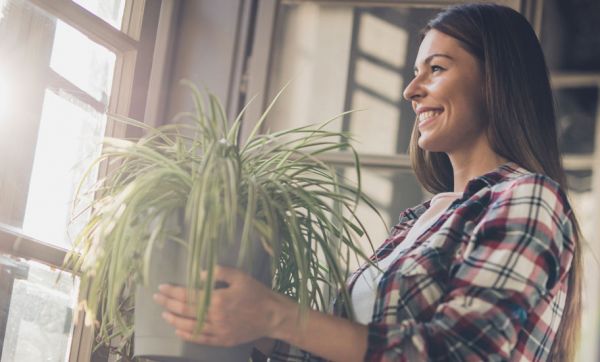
(274, 191)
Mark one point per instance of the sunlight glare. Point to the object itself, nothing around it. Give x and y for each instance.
(3, 6)
(4, 95)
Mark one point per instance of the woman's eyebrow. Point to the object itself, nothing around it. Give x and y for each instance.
(430, 57)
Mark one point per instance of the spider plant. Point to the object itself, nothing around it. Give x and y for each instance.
(197, 184)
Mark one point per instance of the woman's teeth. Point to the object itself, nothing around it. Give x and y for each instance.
(429, 114)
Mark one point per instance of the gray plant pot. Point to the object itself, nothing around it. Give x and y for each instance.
(154, 338)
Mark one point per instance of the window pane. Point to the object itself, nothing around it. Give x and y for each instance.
(3, 6)
(110, 11)
(26, 37)
(84, 63)
(391, 190)
(570, 35)
(579, 181)
(583, 201)
(577, 114)
(344, 57)
(68, 139)
(37, 305)
(59, 82)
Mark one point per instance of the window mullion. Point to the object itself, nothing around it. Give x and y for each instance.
(56, 81)
(89, 24)
(400, 161)
(133, 18)
(82, 341)
(13, 242)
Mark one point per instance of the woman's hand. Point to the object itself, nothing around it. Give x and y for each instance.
(245, 310)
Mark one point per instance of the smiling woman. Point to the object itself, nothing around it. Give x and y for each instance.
(489, 268)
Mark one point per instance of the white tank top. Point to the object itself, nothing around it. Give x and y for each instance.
(364, 290)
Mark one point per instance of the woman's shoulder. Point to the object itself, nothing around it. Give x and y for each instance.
(525, 189)
(524, 181)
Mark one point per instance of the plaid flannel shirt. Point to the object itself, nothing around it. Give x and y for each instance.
(487, 281)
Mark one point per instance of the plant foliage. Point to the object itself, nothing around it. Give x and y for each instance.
(302, 213)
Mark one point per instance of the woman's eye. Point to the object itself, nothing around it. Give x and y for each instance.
(436, 68)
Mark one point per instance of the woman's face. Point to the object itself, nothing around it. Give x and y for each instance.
(447, 95)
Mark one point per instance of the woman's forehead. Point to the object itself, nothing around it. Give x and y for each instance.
(436, 43)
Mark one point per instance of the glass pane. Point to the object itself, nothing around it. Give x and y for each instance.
(3, 6)
(36, 311)
(110, 11)
(579, 181)
(84, 63)
(570, 35)
(68, 139)
(583, 202)
(391, 191)
(570, 41)
(344, 57)
(26, 36)
(577, 114)
(51, 126)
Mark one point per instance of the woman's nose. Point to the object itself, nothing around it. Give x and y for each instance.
(413, 89)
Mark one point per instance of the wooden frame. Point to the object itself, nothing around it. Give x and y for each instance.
(133, 45)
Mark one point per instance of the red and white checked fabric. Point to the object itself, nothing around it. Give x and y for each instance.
(487, 281)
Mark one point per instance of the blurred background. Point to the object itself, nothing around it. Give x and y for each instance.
(66, 64)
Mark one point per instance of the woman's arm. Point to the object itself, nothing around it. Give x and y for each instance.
(330, 337)
(518, 253)
(246, 310)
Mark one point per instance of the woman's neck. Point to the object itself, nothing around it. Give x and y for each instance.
(473, 162)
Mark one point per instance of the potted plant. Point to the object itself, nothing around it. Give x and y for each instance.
(187, 196)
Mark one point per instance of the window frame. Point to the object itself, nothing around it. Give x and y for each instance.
(142, 55)
(577, 162)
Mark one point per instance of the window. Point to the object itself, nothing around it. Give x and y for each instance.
(569, 35)
(66, 65)
(37, 311)
(349, 55)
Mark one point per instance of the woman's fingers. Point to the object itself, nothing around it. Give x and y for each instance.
(198, 338)
(204, 338)
(180, 322)
(211, 334)
(238, 311)
(180, 301)
(176, 306)
(220, 274)
(176, 292)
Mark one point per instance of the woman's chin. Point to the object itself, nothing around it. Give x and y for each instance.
(427, 144)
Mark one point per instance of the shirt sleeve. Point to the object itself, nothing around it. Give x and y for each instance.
(284, 352)
(517, 253)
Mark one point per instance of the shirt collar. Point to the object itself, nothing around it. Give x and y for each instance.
(502, 173)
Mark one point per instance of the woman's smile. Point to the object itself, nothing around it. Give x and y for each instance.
(427, 117)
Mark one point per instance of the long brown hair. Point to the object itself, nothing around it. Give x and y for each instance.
(521, 122)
